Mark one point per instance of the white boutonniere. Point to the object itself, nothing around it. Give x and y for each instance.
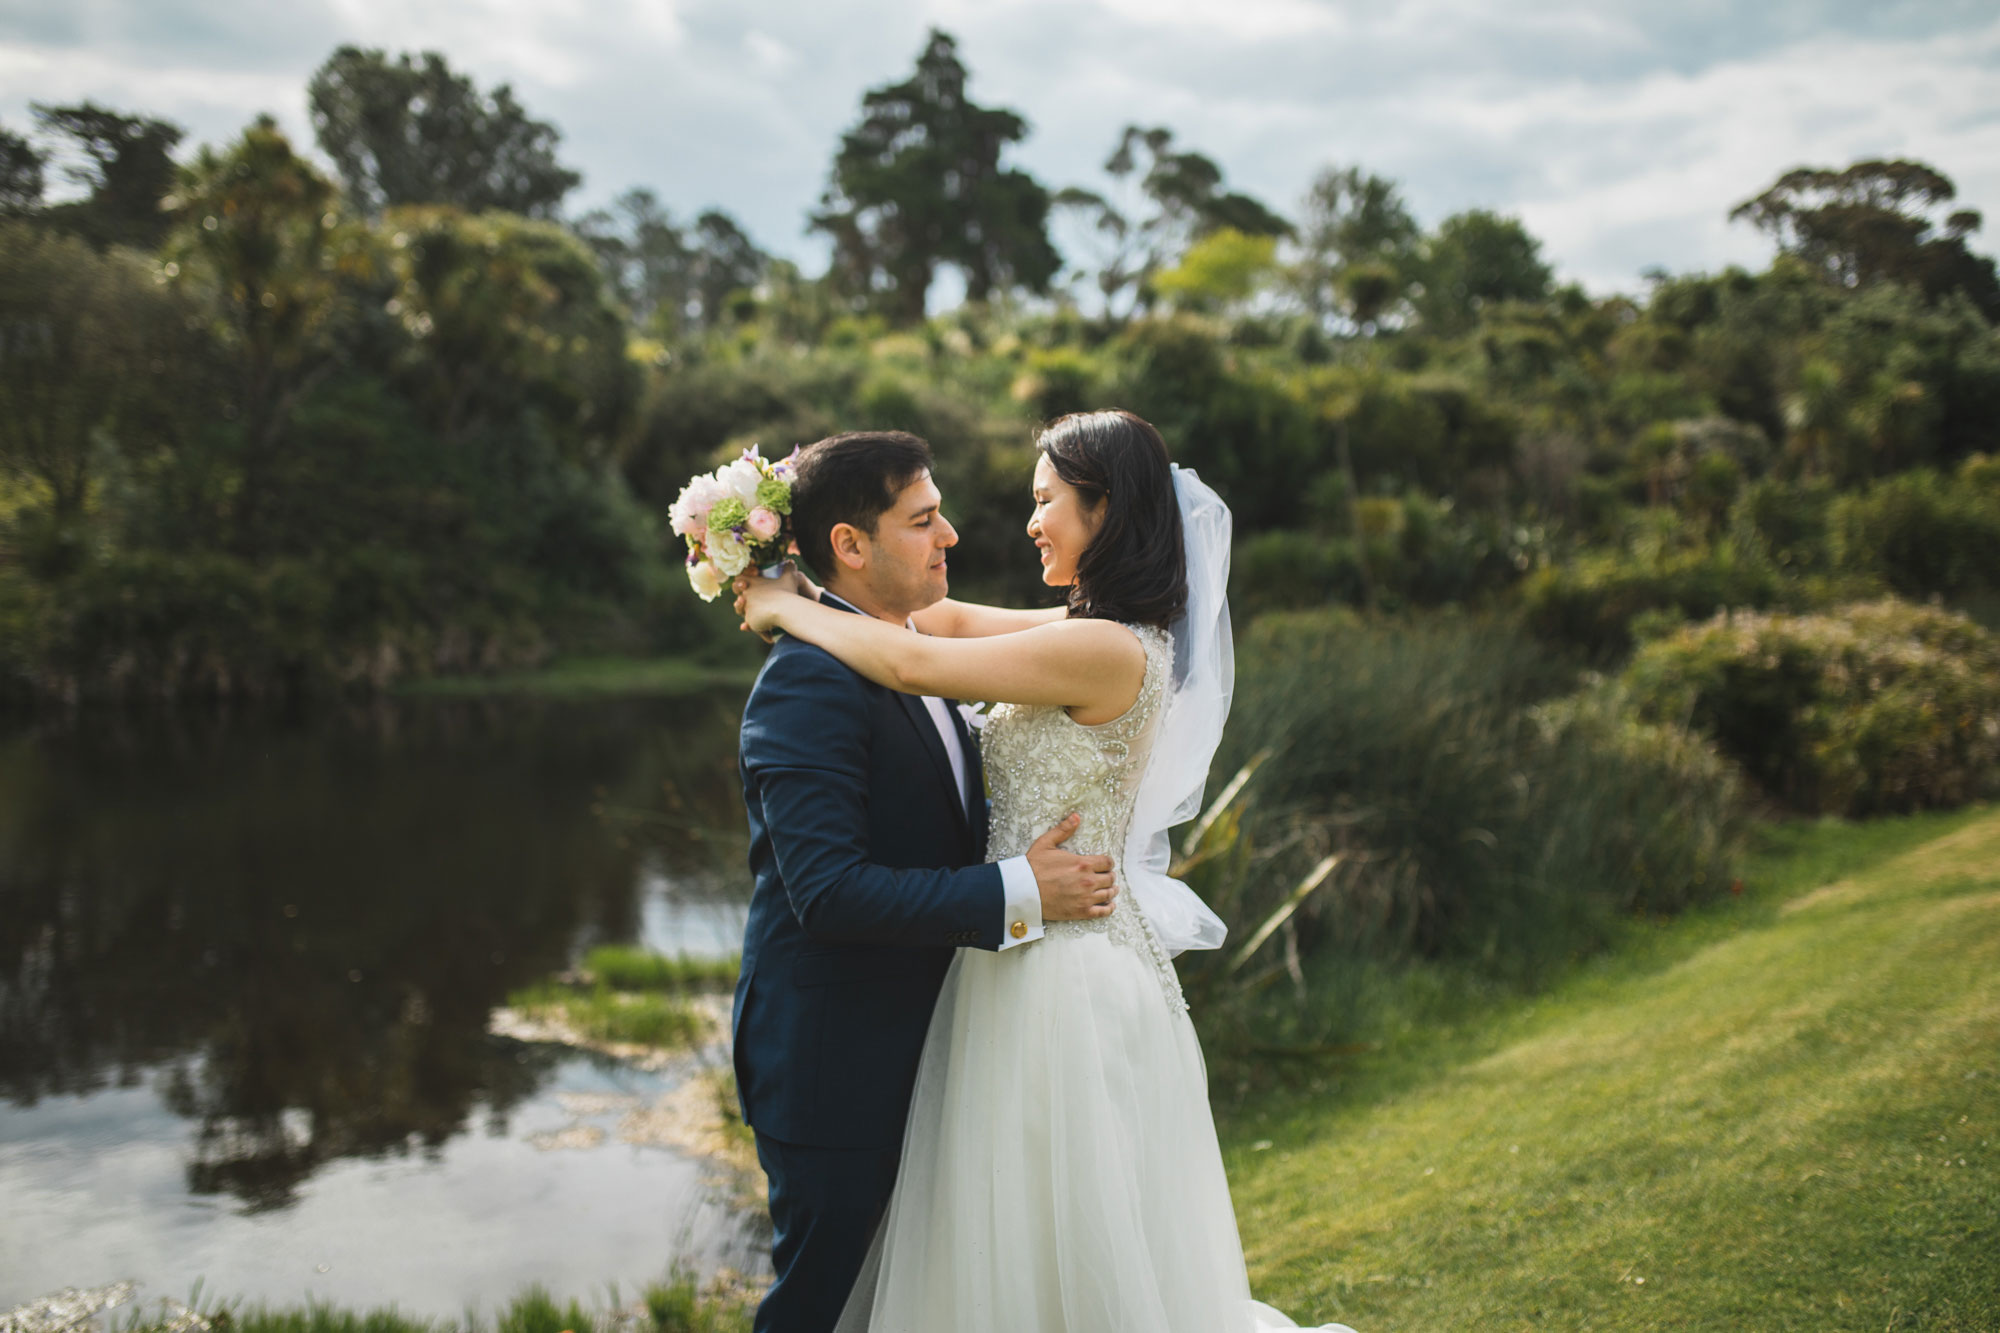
(974, 717)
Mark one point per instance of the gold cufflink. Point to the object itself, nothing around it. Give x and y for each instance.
(1019, 930)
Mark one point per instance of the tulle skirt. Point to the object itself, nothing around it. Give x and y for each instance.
(1060, 1172)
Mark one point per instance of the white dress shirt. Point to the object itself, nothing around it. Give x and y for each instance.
(1023, 920)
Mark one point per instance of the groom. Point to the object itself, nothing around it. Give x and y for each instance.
(867, 840)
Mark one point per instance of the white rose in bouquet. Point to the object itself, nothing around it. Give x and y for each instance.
(741, 480)
(705, 579)
(730, 553)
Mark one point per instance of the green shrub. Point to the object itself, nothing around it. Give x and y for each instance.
(1920, 534)
(1785, 523)
(1589, 603)
(25, 621)
(1418, 551)
(1286, 570)
(1874, 708)
(147, 624)
(1473, 824)
(1058, 380)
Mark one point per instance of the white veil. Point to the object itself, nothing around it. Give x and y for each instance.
(1189, 729)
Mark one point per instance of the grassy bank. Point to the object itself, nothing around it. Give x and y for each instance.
(627, 996)
(655, 1011)
(587, 677)
(677, 1305)
(1778, 1112)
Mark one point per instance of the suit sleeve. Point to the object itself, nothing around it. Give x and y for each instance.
(805, 747)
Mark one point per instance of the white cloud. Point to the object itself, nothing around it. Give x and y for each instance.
(1233, 21)
(769, 54)
(1658, 162)
(189, 94)
(1621, 131)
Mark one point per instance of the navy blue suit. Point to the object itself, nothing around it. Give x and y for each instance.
(869, 873)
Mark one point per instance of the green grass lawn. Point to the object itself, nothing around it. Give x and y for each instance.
(1778, 1114)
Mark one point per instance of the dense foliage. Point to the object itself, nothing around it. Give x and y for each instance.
(1877, 708)
(265, 431)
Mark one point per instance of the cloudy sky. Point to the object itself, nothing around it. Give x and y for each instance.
(1621, 131)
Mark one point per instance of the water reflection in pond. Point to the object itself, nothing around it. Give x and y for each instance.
(246, 968)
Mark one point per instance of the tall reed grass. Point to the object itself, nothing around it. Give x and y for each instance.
(1420, 792)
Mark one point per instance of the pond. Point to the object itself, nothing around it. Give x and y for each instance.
(247, 966)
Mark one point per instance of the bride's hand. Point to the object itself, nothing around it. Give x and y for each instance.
(760, 601)
(807, 588)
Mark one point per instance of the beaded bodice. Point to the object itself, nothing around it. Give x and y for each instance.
(1041, 764)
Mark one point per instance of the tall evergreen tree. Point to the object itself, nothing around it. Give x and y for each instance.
(646, 258)
(21, 173)
(87, 331)
(1359, 246)
(413, 131)
(918, 185)
(256, 237)
(725, 261)
(1184, 200)
(1873, 221)
(1477, 260)
(127, 166)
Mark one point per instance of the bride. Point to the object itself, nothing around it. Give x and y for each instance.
(1060, 1172)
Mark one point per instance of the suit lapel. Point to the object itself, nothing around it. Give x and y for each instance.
(927, 736)
(927, 733)
(975, 778)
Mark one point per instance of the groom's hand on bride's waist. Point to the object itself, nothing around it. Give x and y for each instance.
(1073, 888)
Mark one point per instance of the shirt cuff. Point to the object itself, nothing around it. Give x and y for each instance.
(1023, 921)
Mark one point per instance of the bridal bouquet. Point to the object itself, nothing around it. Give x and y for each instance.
(733, 518)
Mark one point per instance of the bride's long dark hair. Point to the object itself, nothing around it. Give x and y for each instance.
(1134, 569)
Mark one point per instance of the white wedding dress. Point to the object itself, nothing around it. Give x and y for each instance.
(1060, 1172)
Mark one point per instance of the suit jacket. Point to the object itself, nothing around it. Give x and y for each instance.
(869, 873)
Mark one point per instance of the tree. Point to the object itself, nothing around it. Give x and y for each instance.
(1223, 269)
(127, 166)
(918, 184)
(415, 132)
(255, 232)
(1358, 244)
(1183, 191)
(672, 281)
(21, 165)
(1874, 222)
(646, 258)
(1475, 261)
(725, 261)
(83, 334)
(508, 317)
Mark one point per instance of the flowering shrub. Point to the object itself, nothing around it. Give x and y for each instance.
(1871, 708)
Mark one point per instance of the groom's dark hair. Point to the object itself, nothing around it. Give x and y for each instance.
(853, 479)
